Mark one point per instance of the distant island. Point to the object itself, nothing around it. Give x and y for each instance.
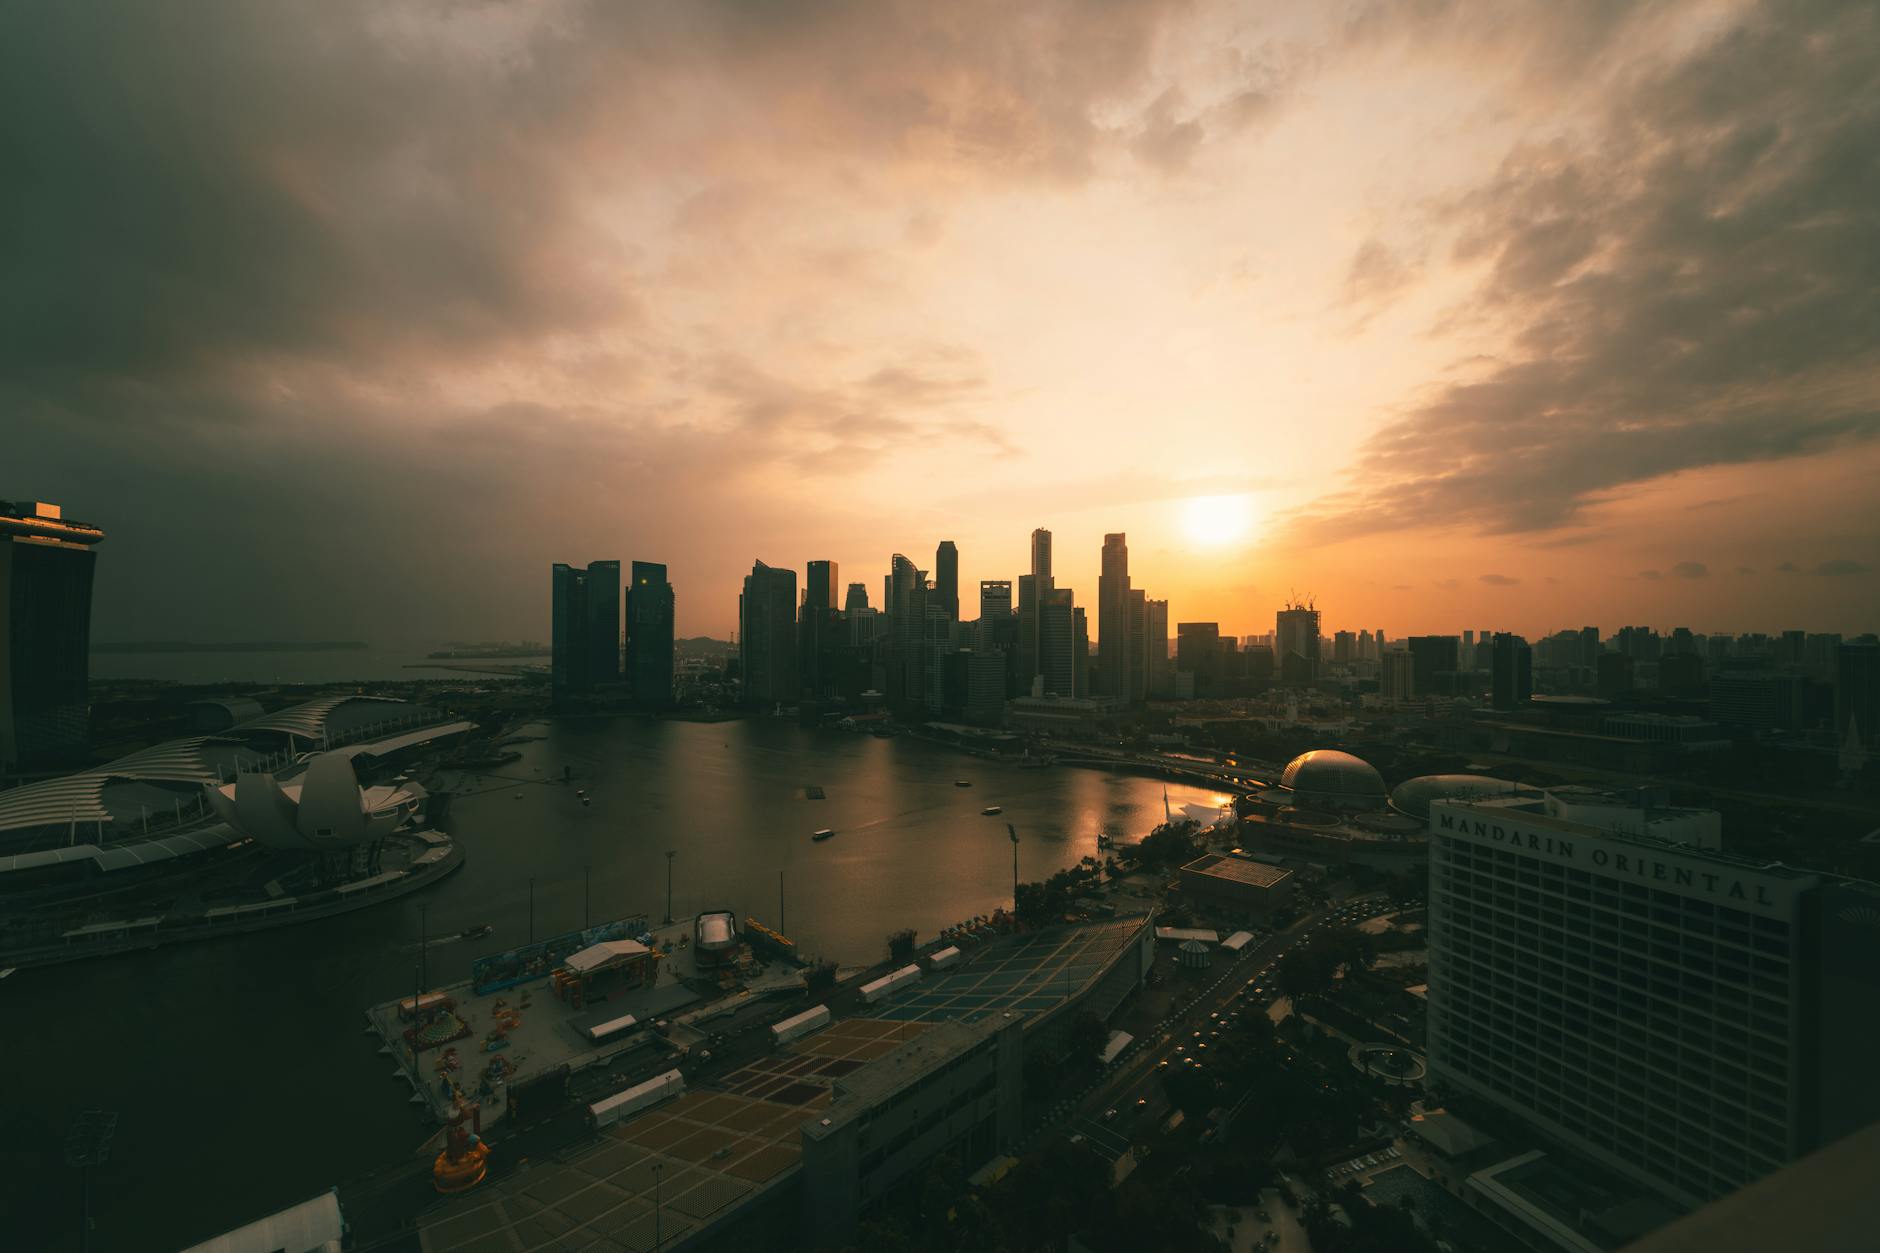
(483, 652)
(703, 646)
(237, 646)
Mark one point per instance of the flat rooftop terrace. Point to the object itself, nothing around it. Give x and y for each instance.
(715, 1149)
(1030, 974)
(1257, 874)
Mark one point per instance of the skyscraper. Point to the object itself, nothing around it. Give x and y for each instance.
(1434, 660)
(650, 614)
(1155, 642)
(1296, 644)
(856, 599)
(1031, 591)
(818, 631)
(995, 599)
(1113, 619)
(946, 579)
(1691, 1019)
(46, 565)
(603, 606)
(767, 648)
(584, 626)
(1198, 652)
(1137, 610)
(1057, 633)
(1513, 664)
(907, 637)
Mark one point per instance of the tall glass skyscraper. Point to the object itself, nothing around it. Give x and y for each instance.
(46, 565)
(649, 635)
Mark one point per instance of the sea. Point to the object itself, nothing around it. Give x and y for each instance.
(239, 1069)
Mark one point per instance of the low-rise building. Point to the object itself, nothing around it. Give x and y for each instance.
(1239, 885)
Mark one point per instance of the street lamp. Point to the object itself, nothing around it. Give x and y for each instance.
(670, 854)
(1013, 832)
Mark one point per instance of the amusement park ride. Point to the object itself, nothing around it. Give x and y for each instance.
(466, 1158)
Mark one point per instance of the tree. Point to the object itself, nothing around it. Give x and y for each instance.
(1304, 972)
(901, 946)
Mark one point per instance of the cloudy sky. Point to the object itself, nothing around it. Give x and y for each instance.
(348, 319)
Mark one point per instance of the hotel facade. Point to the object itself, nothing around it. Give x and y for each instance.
(1690, 1019)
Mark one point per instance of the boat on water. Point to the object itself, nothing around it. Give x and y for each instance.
(475, 933)
(823, 834)
(587, 800)
(518, 795)
(990, 810)
(962, 783)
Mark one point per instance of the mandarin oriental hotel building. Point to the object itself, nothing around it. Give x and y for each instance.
(1691, 1019)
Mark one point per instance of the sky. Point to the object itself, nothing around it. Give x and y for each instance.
(347, 320)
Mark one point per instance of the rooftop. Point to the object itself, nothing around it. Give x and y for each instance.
(1032, 973)
(1237, 869)
(868, 1086)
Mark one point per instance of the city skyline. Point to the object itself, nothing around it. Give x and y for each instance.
(1402, 309)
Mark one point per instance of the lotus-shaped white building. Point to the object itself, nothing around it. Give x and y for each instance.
(323, 807)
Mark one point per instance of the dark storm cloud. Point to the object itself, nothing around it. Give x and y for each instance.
(340, 281)
(1693, 285)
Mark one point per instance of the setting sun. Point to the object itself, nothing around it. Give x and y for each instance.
(1217, 519)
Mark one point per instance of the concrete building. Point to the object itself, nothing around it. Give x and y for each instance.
(767, 648)
(819, 631)
(1689, 1019)
(603, 629)
(46, 566)
(1296, 639)
(650, 617)
(1512, 662)
(953, 1089)
(1244, 888)
(1396, 677)
(1198, 652)
(1137, 620)
(1155, 643)
(1857, 692)
(1434, 662)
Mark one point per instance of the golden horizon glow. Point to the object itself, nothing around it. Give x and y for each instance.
(1214, 521)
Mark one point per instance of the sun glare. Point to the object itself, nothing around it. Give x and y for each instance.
(1215, 520)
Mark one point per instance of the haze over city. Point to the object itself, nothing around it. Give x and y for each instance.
(1523, 315)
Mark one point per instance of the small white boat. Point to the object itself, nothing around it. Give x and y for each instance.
(990, 810)
(962, 783)
(823, 834)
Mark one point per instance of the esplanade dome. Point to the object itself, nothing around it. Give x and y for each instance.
(1328, 779)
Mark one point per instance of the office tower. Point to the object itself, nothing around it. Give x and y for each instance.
(856, 599)
(1344, 647)
(1433, 664)
(907, 637)
(1857, 692)
(1198, 652)
(46, 566)
(1296, 644)
(1468, 651)
(985, 687)
(650, 613)
(1513, 665)
(1137, 621)
(995, 599)
(1366, 649)
(1396, 676)
(1041, 556)
(1057, 643)
(1080, 652)
(1155, 641)
(1113, 619)
(603, 606)
(946, 579)
(571, 659)
(819, 634)
(1031, 590)
(1691, 1019)
(767, 648)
